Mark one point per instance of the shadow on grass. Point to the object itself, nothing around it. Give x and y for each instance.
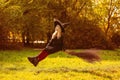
(104, 54)
(15, 68)
(19, 56)
(110, 54)
(66, 70)
(60, 54)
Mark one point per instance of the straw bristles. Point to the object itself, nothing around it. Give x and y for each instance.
(88, 55)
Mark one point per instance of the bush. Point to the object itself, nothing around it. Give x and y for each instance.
(116, 39)
(4, 32)
(11, 46)
(87, 35)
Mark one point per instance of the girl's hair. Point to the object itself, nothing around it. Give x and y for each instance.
(58, 23)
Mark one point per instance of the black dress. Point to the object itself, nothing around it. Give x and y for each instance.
(55, 45)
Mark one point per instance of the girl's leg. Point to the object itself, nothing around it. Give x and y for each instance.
(37, 59)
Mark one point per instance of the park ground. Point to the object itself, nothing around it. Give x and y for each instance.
(59, 66)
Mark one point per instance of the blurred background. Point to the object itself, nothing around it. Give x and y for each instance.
(29, 23)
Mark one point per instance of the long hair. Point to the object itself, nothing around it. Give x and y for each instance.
(58, 23)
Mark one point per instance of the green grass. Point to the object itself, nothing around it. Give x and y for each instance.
(59, 66)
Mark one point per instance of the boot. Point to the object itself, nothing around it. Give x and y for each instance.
(41, 56)
(33, 60)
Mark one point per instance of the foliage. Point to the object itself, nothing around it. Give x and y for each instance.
(29, 20)
(60, 66)
(87, 35)
(3, 31)
(108, 15)
(116, 38)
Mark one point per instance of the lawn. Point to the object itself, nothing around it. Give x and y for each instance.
(59, 66)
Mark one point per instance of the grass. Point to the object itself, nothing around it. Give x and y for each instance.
(59, 66)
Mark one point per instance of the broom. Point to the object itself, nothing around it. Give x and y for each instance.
(88, 55)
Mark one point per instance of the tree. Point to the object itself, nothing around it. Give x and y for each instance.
(116, 39)
(31, 20)
(87, 35)
(107, 15)
(3, 31)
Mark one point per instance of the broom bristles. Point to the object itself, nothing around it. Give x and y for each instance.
(88, 55)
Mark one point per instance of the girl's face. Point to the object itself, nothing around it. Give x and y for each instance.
(54, 19)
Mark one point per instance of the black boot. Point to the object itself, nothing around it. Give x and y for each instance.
(33, 60)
